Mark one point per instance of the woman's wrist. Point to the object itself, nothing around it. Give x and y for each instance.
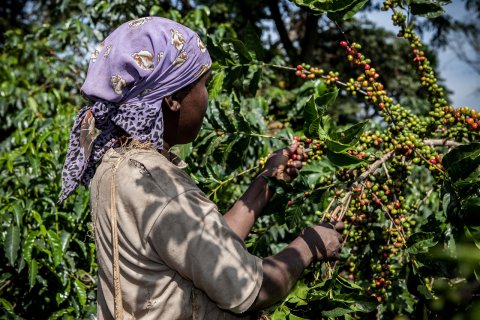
(268, 180)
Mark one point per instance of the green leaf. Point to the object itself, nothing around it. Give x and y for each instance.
(311, 118)
(216, 141)
(343, 160)
(60, 313)
(337, 10)
(348, 284)
(216, 85)
(183, 150)
(336, 146)
(28, 246)
(279, 315)
(362, 305)
(6, 305)
(425, 292)
(81, 292)
(350, 135)
(12, 243)
(473, 233)
(323, 168)
(291, 316)
(427, 8)
(315, 172)
(472, 181)
(293, 216)
(17, 213)
(461, 161)
(240, 123)
(219, 118)
(420, 242)
(241, 50)
(299, 294)
(337, 312)
(466, 253)
(32, 103)
(327, 125)
(347, 12)
(62, 295)
(56, 247)
(255, 81)
(231, 142)
(252, 42)
(32, 272)
(326, 100)
(65, 240)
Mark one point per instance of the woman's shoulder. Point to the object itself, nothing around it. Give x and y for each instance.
(159, 167)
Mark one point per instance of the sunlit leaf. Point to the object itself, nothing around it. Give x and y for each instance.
(216, 84)
(28, 245)
(55, 245)
(427, 8)
(337, 312)
(462, 160)
(343, 160)
(32, 272)
(81, 292)
(12, 243)
(350, 135)
(420, 242)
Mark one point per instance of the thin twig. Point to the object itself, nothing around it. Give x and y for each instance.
(214, 191)
(401, 232)
(328, 208)
(345, 207)
(5, 284)
(424, 199)
(441, 142)
(386, 170)
(425, 159)
(374, 166)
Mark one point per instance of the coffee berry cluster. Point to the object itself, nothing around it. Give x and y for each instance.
(371, 199)
(306, 71)
(308, 150)
(447, 121)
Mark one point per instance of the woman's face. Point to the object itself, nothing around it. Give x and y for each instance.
(182, 125)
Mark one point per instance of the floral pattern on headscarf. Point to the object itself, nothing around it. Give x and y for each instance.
(126, 88)
(144, 59)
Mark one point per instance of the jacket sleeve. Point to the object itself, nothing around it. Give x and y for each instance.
(192, 237)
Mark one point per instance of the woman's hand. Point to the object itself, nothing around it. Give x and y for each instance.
(248, 208)
(281, 271)
(324, 240)
(279, 165)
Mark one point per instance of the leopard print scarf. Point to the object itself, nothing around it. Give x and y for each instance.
(129, 74)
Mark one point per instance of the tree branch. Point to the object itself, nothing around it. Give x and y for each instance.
(282, 30)
(374, 166)
(441, 142)
(308, 42)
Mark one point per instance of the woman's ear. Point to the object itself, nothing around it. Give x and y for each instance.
(172, 104)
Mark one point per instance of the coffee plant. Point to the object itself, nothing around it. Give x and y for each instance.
(404, 182)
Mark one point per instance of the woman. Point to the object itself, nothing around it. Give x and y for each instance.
(164, 251)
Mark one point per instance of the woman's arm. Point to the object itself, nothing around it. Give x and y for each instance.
(241, 217)
(281, 271)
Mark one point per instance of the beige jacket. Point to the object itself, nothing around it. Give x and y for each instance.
(178, 258)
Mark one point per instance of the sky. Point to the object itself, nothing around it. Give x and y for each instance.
(459, 77)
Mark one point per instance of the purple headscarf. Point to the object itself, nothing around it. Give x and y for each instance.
(130, 73)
